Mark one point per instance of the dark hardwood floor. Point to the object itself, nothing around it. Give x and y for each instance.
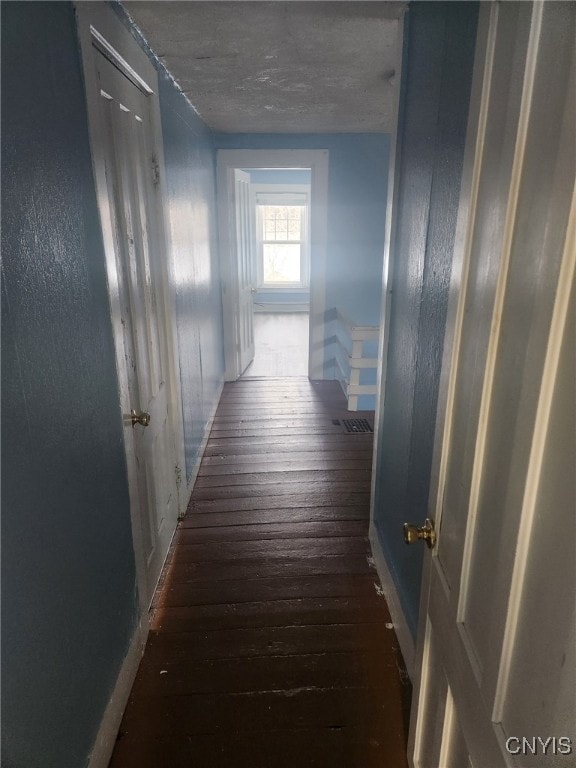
(270, 646)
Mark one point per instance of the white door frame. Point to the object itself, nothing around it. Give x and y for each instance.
(98, 25)
(245, 268)
(317, 161)
(403, 633)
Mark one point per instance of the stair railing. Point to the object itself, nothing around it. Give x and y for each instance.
(351, 358)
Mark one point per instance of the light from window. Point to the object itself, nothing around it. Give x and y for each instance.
(281, 262)
(281, 243)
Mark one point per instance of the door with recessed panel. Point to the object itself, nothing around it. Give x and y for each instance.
(244, 220)
(496, 674)
(127, 166)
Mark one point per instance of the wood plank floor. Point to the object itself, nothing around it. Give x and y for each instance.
(270, 645)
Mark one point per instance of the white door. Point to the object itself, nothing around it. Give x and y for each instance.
(127, 170)
(495, 683)
(245, 266)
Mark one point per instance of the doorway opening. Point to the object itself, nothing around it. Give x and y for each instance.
(280, 345)
(272, 219)
(280, 212)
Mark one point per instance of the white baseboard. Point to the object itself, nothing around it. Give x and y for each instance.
(271, 308)
(398, 618)
(106, 737)
(207, 428)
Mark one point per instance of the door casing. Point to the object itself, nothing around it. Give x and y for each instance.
(317, 161)
(401, 627)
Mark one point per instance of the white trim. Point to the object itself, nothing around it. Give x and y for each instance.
(273, 307)
(450, 721)
(389, 239)
(173, 351)
(396, 611)
(360, 389)
(365, 333)
(110, 723)
(363, 362)
(113, 56)
(398, 616)
(290, 191)
(356, 332)
(317, 161)
(422, 672)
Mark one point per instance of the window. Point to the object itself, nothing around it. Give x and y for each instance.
(282, 244)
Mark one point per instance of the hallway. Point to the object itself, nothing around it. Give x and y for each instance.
(281, 345)
(269, 643)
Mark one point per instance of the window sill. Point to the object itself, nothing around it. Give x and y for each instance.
(282, 288)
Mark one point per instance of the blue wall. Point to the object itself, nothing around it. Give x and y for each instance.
(438, 57)
(280, 176)
(190, 176)
(357, 189)
(69, 601)
(70, 604)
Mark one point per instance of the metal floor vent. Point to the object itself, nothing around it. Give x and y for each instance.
(354, 426)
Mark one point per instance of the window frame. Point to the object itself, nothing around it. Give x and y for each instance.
(282, 194)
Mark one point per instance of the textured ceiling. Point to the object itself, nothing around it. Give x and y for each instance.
(279, 67)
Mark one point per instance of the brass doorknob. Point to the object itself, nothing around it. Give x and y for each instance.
(139, 418)
(412, 533)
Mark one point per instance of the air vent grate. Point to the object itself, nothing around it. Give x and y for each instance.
(355, 426)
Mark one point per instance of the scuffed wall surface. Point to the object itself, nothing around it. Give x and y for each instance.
(189, 158)
(69, 602)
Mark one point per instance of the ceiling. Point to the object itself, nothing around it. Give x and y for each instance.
(279, 67)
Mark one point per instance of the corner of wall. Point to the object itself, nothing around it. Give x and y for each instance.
(106, 737)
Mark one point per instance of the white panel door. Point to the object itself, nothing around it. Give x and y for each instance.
(245, 269)
(126, 149)
(496, 677)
